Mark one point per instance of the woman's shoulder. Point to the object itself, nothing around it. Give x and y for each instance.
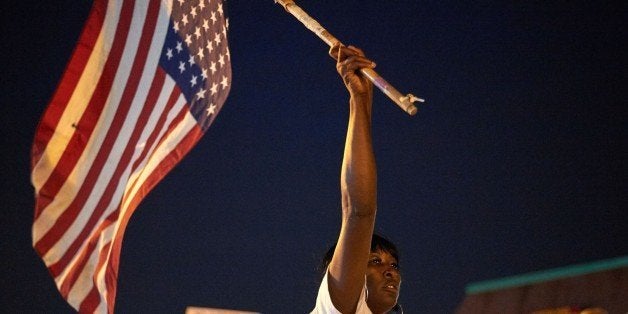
(324, 305)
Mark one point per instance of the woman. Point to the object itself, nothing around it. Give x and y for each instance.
(363, 274)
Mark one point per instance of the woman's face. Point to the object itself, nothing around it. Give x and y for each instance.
(383, 282)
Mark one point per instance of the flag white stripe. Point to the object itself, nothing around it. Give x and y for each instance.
(100, 274)
(84, 283)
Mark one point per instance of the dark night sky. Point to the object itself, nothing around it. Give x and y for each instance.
(516, 163)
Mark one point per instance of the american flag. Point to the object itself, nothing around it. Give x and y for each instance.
(146, 80)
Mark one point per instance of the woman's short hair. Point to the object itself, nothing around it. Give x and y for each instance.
(378, 243)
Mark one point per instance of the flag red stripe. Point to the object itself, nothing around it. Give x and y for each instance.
(70, 79)
(125, 158)
(88, 121)
(93, 298)
(91, 302)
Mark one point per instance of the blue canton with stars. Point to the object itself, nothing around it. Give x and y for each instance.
(196, 56)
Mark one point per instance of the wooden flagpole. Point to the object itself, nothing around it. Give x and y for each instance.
(404, 102)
